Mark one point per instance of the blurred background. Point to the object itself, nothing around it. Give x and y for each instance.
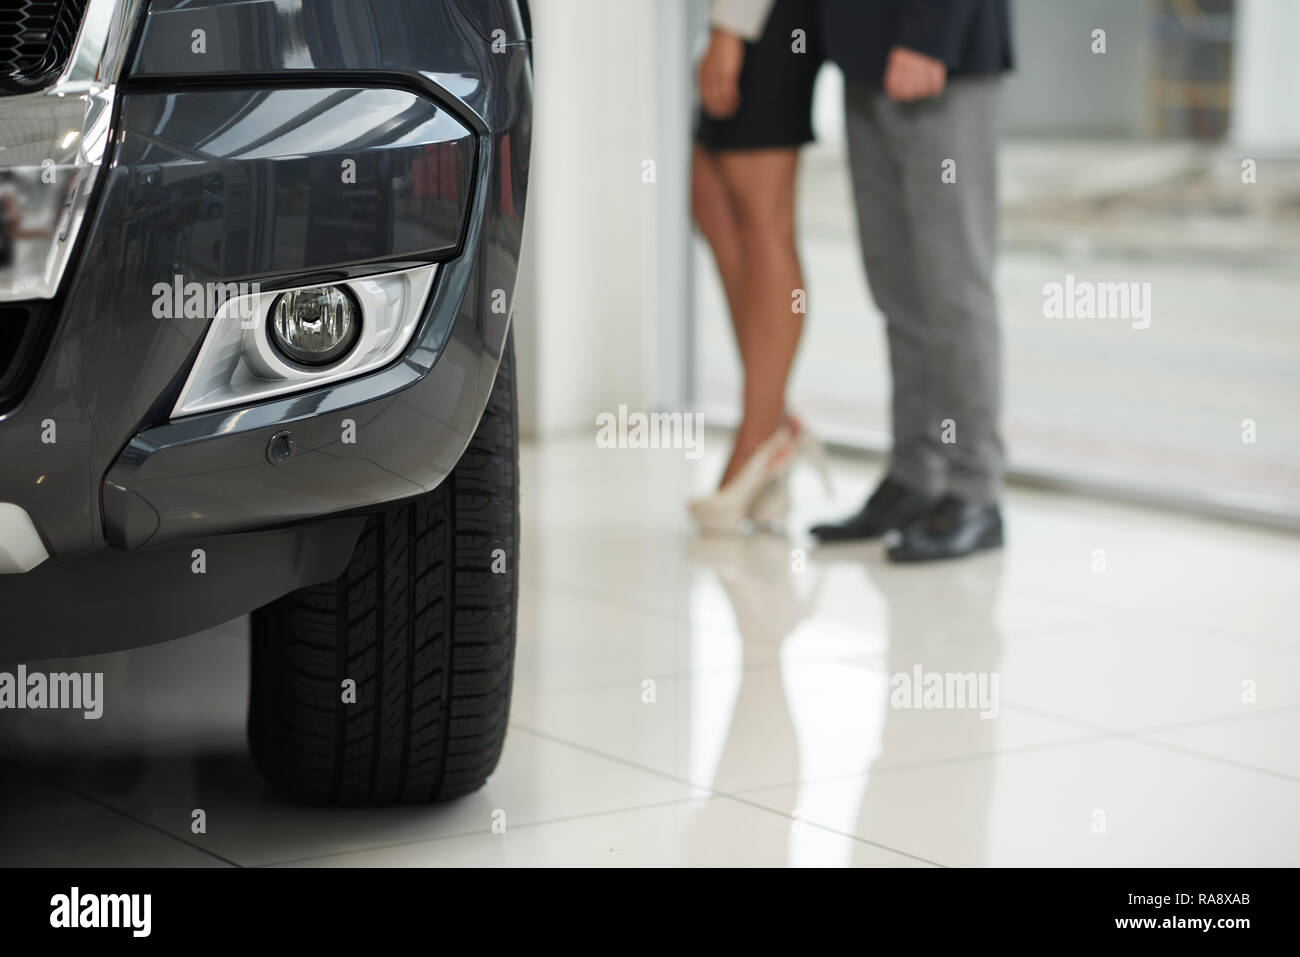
(1173, 158)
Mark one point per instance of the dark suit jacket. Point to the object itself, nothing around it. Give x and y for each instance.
(970, 36)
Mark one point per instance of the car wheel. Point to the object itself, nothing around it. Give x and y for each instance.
(392, 683)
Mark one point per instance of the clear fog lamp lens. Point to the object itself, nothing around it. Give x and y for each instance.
(316, 326)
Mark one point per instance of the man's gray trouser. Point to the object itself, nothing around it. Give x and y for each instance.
(929, 247)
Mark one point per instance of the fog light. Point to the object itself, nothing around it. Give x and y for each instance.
(238, 365)
(316, 326)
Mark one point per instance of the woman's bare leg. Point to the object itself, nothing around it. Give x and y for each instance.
(761, 188)
(715, 215)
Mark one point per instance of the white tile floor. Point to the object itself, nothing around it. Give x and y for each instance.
(687, 701)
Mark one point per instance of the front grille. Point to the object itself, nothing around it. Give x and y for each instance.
(21, 341)
(36, 38)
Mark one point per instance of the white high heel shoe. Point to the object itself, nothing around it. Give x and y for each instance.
(810, 447)
(772, 506)
(760, 487)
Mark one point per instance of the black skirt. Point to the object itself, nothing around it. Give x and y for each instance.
(776, 85)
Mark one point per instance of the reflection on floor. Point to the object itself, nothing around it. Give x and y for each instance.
(751, 701)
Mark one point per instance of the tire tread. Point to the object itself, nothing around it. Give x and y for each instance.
(421, 623)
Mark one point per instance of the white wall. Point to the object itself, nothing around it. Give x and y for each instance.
(602, 307)
(1266, 75)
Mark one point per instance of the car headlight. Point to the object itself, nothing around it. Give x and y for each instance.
(54, 143)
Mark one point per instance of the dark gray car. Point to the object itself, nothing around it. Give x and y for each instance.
(257, 273)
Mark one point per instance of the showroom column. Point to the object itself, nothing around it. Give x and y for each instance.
(604, 292)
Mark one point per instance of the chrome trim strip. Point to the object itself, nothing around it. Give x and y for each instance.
(52, 144)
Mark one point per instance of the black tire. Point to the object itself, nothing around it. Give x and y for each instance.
(424, 624)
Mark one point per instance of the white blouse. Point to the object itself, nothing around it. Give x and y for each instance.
(745, 18)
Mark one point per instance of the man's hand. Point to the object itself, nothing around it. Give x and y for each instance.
(719, 75)
(913, 76)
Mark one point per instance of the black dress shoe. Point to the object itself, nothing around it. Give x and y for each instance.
(951, 529)
(891, 506)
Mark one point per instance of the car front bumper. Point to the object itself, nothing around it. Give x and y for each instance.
(205, 180)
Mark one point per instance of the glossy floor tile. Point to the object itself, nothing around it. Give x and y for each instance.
(713, 832)
(1269, 742)
(1091, 804)
(1118, 686)
(45, 823)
